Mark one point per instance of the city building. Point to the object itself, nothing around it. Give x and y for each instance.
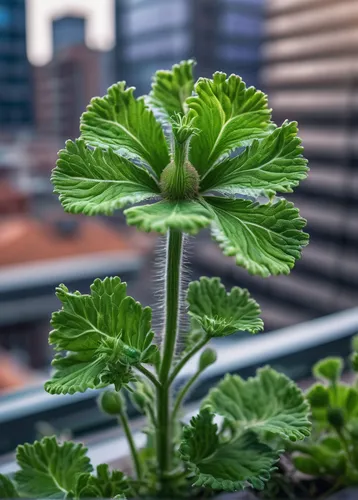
(311, 75)
(15, 70)
(220, 34)
(64, 87)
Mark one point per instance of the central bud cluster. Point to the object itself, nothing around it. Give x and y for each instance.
(179, 182)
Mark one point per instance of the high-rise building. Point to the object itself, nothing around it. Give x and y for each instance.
(67, 32)
(311, 75)
(15, 70)
(65, 86)
(310, 72)
(220, 34)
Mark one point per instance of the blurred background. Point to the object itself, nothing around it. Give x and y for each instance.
(56, 54)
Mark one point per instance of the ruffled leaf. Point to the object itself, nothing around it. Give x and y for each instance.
(99, 182)
(121, 122)
(228, 114)
(49, 469)
(269, 402)
(329, 369)
(273, 164)
(265, 239)
(104, 484)
(221, 313)
(186, 216)
(103, 334)
(171, 88)
(228, 466)
(7, 488)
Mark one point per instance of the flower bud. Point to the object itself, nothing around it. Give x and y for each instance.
(111, 402)
(207, 358)
(179, 182)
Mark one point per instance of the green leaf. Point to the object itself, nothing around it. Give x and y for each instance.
(49, 469)
(229, 116)
(265, 239)
(171, 88)
(354, 361)
(99, 182)
(105, 484)
(186, 216)
(226, 466)
(76, 373)
(221, 313)
(329, 369)
(269, 402)
(123, 123)
(7, 489)
(327, 453)
(103, 334)
(273, 164)
(318, 396)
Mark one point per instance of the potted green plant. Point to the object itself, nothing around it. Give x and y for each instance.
(327, 460)
(200, 155)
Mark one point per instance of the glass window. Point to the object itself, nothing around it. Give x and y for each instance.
(250, 3)
(156, 16)
(231, 52)
(172, 44)
(5, 17)
(234, 23)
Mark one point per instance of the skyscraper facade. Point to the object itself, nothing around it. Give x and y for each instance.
(15, 71)
(311, 75)
(220, 34)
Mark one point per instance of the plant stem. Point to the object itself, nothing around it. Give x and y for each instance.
(183, 392)
(150, 376)
(186, 358)
(127, 431)
(172, 296)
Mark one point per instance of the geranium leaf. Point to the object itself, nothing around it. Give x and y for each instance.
(49, 469)
(7, 488)
(103, 334)
(272, 164)
(221, 313)
(228, 114)
(105, 484)
(329, 369)
(121, 122)
(186, 216)
(229, 466)
(265, 239)
(269, 402)
(99, 182)
(171, 88)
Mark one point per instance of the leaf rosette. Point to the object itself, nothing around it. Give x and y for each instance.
(223, 149)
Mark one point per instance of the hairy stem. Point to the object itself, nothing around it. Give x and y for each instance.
(183, 392)
(172, 298)
(178, 367)
(134, 452)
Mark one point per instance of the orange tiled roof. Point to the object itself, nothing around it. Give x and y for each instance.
(25, 239)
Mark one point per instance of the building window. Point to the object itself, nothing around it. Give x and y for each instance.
(5, 17)
(156, 16)
(235, 23)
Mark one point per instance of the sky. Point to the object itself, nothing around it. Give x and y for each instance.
(100, 32)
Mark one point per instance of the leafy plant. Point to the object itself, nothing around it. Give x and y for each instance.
(328, 459)
(203, 155)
